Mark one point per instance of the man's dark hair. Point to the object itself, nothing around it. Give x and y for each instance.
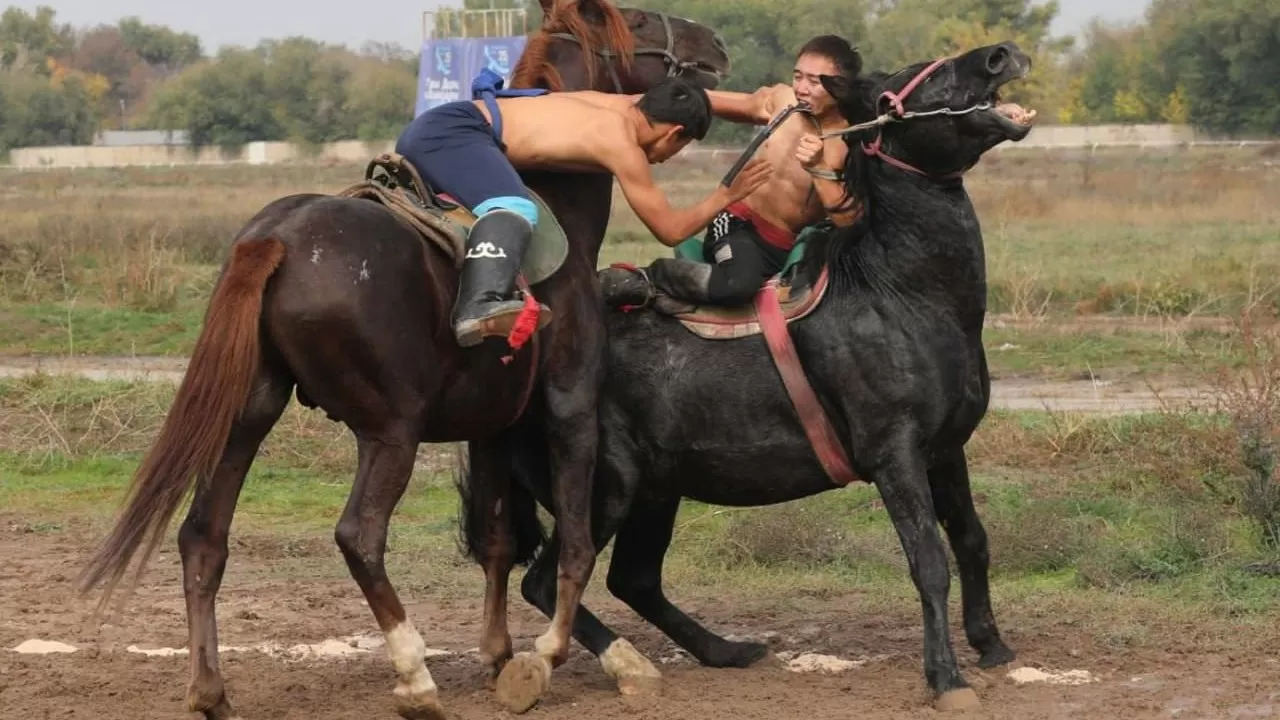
(839, 51)
(679, 102)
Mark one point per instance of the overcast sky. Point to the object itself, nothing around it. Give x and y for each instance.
(245, 22)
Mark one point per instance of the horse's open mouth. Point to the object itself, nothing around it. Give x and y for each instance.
(1012, 117)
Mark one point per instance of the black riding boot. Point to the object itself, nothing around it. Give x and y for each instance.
(487, 304)
(679, 280)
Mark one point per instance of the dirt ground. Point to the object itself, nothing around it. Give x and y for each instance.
(261, 603)
(1012, 394)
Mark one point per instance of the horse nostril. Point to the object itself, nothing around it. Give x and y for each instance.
(997, 60)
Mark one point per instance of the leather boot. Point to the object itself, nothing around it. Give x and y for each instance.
(487, 304)
(674, 284)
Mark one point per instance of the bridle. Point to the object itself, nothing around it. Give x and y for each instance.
(897, 113)
(675, 66)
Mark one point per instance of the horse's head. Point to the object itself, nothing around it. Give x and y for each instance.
(593, 45)
(669, 46)
(937, 118)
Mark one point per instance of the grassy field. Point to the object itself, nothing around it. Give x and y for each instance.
(121, 261)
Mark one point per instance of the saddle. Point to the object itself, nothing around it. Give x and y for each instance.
(795, 301)
(391, 180)
(795, 297)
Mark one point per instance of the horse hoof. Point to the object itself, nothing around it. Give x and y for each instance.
(640, 685)
(419, 706)
(633, 671)
(957, 700)
(523, 682)
(738, 655)
(995, 657)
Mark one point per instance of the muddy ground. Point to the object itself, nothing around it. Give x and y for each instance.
(1105, 396)
(268, 598)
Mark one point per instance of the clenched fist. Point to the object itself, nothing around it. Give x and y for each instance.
(809, 151)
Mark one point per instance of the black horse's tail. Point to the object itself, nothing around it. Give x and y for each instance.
(474, 518)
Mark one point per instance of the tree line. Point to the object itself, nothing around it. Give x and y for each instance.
(1209, 63)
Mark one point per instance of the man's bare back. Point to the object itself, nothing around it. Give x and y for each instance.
(534, 130)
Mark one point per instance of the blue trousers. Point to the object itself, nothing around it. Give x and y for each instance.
(456, 152)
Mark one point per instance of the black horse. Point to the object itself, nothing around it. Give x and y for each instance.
(893, 353)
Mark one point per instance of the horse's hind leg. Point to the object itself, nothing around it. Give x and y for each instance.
(954, 504)
(202, 541)
(635, 577)
(386, 463)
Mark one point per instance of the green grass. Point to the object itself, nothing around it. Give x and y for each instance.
(1046, 351)
(63, 329)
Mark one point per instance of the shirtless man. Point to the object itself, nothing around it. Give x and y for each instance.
(750, 240)
(471, 150)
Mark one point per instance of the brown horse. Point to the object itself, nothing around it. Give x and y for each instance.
(343, 300)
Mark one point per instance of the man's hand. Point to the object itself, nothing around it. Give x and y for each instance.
(755, 173)
(809, 151)
(764, 102)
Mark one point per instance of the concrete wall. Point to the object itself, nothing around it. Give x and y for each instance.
(354, 151)
(256, 153)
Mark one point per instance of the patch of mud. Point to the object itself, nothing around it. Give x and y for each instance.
(1024, 675)
(818, 663)
(330, 648)
(1009, 394)
(43, 647)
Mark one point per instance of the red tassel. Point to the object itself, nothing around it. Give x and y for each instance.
(628, 308)
(526, 324)
(625, 266)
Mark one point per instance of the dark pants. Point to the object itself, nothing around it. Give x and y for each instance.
(741, 260)
(453, 148)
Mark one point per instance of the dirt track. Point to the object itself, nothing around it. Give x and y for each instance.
(260, 603)
(1076, 396)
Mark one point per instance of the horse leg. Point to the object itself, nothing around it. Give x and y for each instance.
(633, 672)
(386, 462)
(954, 504)
(202, 541)
(490, 467)
(570, 392)
(904, 487)
(635, 577)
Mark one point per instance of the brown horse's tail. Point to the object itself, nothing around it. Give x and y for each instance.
(213, 392)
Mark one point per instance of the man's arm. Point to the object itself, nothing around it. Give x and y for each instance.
(835, 200)
(823, 162)
(669, 224)
(757, 108)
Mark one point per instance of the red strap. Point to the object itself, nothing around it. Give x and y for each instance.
(822, 437)
(526, 390)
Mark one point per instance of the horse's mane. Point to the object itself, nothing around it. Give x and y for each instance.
(535, 69)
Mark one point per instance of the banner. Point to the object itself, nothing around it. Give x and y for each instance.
(448, 66)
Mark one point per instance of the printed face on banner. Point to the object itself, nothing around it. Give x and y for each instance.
(498, 59)
(448, 66)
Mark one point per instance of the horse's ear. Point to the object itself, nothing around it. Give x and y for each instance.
(851, 95)
(838, 86)
(546, 6)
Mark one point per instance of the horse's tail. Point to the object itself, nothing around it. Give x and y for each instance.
(474, 518)
(213, 392)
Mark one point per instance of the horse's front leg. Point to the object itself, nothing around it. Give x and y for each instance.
(571, 383)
